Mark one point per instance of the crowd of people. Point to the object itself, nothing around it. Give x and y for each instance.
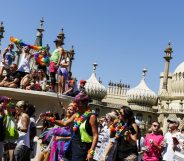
(80, 135)
(39, 70)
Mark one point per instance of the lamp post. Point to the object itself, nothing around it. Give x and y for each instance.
(1, 33)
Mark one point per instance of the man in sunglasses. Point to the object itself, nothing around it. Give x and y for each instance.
(171, 139)
(153, 143)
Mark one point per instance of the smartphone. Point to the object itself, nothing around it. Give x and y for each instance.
(175, 140)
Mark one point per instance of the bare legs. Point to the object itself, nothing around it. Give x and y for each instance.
(24, 82)
(61, 84)
(1, 71)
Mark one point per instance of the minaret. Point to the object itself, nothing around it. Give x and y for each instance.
(168, 51)
(1, 32)
(71, 54)
(39, 35)
(60, 38)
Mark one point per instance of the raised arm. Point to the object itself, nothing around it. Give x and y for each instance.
(60, 122)
(19, 48)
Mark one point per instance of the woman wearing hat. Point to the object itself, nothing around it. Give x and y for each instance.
(8, 56)
(84, 131)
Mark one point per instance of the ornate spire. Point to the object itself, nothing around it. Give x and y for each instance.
(168, 48)
(60, 38)
(94, 67)
(39, 35)
(168, 51)
(1, 32)
(41, 24)
(71, 53)
(144, 71)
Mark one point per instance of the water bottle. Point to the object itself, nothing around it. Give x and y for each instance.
(44, 86)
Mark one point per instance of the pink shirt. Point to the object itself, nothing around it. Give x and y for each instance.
(153, 153)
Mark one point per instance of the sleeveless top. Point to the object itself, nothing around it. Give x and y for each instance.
(24, 65)
(55, 55)
(9, 57)
(125, 148)
(84, 133)
(24, 138)
(85, 137)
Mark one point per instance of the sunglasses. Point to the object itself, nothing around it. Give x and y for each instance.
(155, 125)
(171, 122)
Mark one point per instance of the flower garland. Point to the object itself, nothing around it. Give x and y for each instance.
(79, 119)
(7, 104)
(118, 129)
(17, 41)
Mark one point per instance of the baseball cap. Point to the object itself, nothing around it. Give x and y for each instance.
(82, 82)
(173, 119)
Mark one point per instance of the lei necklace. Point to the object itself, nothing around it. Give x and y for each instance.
(118, 130)
(79, 119)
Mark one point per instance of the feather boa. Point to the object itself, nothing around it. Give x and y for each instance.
(59, 131)
(58, 148)
(17, 41)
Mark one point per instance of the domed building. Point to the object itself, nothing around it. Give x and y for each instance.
(94, 88)
(96, 92)
(171, 92)
(142, 101)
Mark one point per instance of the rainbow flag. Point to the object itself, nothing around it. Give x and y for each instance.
(17, 41)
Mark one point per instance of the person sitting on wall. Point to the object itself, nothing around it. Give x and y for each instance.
(82, 86)
(72, 89)
(9, 80)
(8, 56)
(29, 79)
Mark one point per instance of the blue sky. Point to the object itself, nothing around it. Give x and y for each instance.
(122, 36)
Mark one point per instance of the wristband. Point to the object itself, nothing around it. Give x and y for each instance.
(92, 152)
(52, 119)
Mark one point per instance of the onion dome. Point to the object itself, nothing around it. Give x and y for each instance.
(94, 89)
(178, 80)
(141, 94)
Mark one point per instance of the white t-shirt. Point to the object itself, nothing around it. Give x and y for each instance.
(168, 152)
(102, 144)
(24, 65)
